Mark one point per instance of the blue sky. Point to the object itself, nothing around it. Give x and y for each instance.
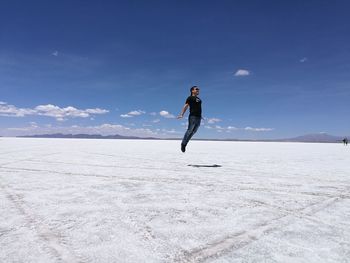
(266, 69)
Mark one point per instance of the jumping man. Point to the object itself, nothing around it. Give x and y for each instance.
(194, 120)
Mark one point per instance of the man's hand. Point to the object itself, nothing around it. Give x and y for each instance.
(182, 112)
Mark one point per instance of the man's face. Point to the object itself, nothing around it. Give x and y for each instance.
(196, 91)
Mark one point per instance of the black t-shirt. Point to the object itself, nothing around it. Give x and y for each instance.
(195, 106)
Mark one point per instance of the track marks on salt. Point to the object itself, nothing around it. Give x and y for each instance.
(53, 243)
(241, 239)
(173, 180)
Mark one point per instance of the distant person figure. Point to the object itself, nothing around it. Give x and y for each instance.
(194, 119)
(345, 141)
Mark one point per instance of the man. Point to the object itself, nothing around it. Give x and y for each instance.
(194, 120)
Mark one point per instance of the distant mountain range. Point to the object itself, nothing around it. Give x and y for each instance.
(86, 136)
(316, 137)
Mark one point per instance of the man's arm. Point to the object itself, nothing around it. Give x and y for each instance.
(183, 111)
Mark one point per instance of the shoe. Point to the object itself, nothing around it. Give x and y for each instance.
(183, 148)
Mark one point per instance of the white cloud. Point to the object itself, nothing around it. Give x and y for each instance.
(166, 114)
(107, 127)
(49, 110)
(156, 121)
(96, 111)
(172, 131)
(213, 120)
(12, 111)
(60, 113)
(258, 129)
(303, 60)
(242, 73)
(132, 114)
(125, 116)
(136, 112)
(219, 128)
(33, 124)
(68, 112)
(55, 53)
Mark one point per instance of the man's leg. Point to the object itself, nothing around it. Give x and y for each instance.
(193, 125)
(197, 123)
(186, 138)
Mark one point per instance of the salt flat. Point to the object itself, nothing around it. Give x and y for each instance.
(70, 200)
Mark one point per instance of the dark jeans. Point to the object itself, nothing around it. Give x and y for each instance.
(193, 124)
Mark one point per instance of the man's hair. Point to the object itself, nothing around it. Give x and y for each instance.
(192, 88)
